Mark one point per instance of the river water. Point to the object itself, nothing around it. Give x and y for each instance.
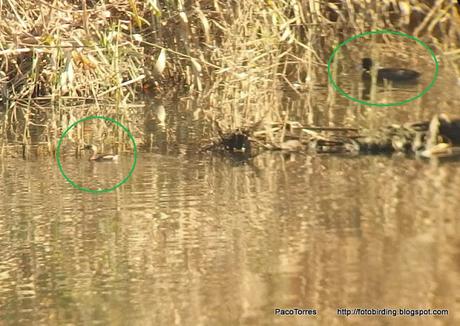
(197, 239)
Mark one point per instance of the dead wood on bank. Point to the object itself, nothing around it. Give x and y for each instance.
(439, 137)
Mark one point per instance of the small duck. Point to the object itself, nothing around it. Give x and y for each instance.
(237, 141)
(99, 157)
(395, 75)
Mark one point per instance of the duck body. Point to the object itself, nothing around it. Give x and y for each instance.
(395, 75)
(99, 157)
(442, 138)
(237, 141)
(450, 130)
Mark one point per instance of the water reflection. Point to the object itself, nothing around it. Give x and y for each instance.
(194, 240)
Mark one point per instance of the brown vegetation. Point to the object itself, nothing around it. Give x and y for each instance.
(63, 60)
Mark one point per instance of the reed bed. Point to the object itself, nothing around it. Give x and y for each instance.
(63, 60)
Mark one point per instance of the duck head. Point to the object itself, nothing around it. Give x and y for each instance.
(366, 64)
(90, 147)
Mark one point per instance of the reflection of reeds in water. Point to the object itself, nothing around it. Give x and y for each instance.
(297, 233)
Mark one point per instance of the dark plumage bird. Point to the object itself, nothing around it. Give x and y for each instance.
(444, 128)
(395, 75)
(442, 137)
(237, 141)
(99, 157)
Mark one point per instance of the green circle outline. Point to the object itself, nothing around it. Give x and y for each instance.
(58, 153)
(382, 31)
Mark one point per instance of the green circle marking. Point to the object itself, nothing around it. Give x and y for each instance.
(58, 153)
(383, 31)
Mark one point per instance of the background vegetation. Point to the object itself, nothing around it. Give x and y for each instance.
(62, 60)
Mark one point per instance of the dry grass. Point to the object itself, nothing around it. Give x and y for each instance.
(63, 60)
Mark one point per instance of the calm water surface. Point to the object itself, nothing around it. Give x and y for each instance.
(198, 241)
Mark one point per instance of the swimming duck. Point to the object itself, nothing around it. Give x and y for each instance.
(395, 75)
(237, 141)
(99, 157)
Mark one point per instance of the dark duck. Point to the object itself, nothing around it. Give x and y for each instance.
(95, 156)
(394, 75)
(437, 138)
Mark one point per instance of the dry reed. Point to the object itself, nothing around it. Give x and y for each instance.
(63, 60)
